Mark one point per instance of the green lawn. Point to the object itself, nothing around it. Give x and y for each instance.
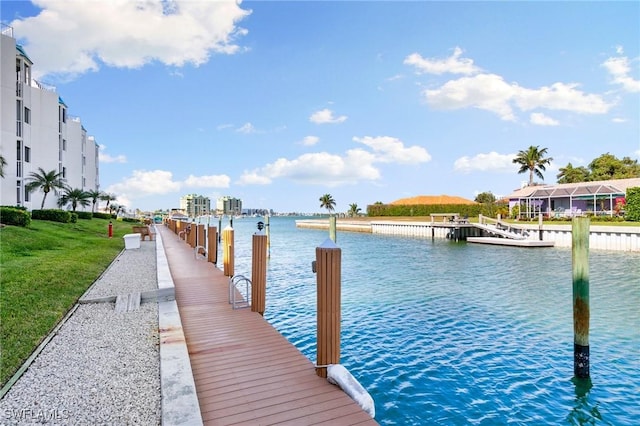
(45, 269)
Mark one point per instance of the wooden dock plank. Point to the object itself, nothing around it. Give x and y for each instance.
(245, 371)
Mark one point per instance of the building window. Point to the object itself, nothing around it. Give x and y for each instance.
(27, 115)
(19, 169)
(64, 172)
(64, 144)
(18, 191)
(27, 196)
(19, 110)
(18, 150)
(27, 154)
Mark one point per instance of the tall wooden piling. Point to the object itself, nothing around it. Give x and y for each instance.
(212, 245)
(201, 239)
(581, 313)
(328, 269)
(227, 251)
(191, 234)
(332, 228)
(259, 273)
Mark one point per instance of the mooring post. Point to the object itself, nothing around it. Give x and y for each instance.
(227, 249)
(540, 226)
(200, 238)
(268, 228)
(220, 228)
(212, 245)
(259, 273)
(332, 228)
(328, 268)
(580, 262)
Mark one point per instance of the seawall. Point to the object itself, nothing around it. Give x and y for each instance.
(614, 238)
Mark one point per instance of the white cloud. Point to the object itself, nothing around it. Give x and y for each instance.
(454, 64)
(620, 71)
(224, 126)
(211, 181)
(143, 183)
(246, 128)
(319, 168)
(560, 96)
(491, 93)
(322, 168)
(310, 140)
(103, 157)
(490, 162)
(540, 119)
(485, 91)
(619, 120)
(325, 116)
(73, 37)
(391, 150)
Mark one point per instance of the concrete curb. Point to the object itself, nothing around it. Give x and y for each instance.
(179, 399)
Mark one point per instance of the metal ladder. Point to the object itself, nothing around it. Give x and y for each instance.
(239, 292)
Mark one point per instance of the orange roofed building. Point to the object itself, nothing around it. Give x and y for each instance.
(432, 199)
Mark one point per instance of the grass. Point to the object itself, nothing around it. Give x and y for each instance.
(45, 269)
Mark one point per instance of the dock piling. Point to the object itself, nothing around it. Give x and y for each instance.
(581, 312)
(328, 267)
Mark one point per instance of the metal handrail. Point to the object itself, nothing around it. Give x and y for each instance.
(235, 291)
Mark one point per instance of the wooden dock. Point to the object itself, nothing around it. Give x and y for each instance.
(244, 370)
(510, 242)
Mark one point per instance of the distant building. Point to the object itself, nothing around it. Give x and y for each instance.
(36, 131)
(229, 206)
(195, 205)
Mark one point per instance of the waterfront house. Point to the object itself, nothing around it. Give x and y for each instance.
(604, 197)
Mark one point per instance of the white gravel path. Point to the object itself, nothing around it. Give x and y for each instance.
(102, 367)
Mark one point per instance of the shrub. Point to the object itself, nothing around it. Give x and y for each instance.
(469, 210)
(73, 217)
(632, 209)
(14, 216)
(103, 216)
(84, 215)
(52, 215)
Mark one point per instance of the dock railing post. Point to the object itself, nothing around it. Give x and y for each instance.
(332, 228)
(328, 268)
(227, 249)
(212, 245)
(581, 312)
(259, 273)
(200, 238)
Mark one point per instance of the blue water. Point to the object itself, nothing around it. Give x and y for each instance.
(449, 333)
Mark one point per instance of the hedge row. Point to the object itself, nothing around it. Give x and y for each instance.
(632, 209)
(53, 215)
(469, 210)
(16, 216)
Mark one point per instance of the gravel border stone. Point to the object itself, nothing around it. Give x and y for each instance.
(102, 367)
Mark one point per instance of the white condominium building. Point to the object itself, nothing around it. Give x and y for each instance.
(37, 132)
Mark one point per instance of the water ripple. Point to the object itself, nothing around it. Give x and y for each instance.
(448, 333)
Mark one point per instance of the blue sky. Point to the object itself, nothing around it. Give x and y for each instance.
(278, 103)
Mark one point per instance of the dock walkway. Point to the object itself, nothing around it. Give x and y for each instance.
(244, 370)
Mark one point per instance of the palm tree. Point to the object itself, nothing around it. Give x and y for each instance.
(94, 196)
(354, 210)
(46, 181)
(532, 160)
(3, 163)
(108, 198)
(328, 202)
(74, 197)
